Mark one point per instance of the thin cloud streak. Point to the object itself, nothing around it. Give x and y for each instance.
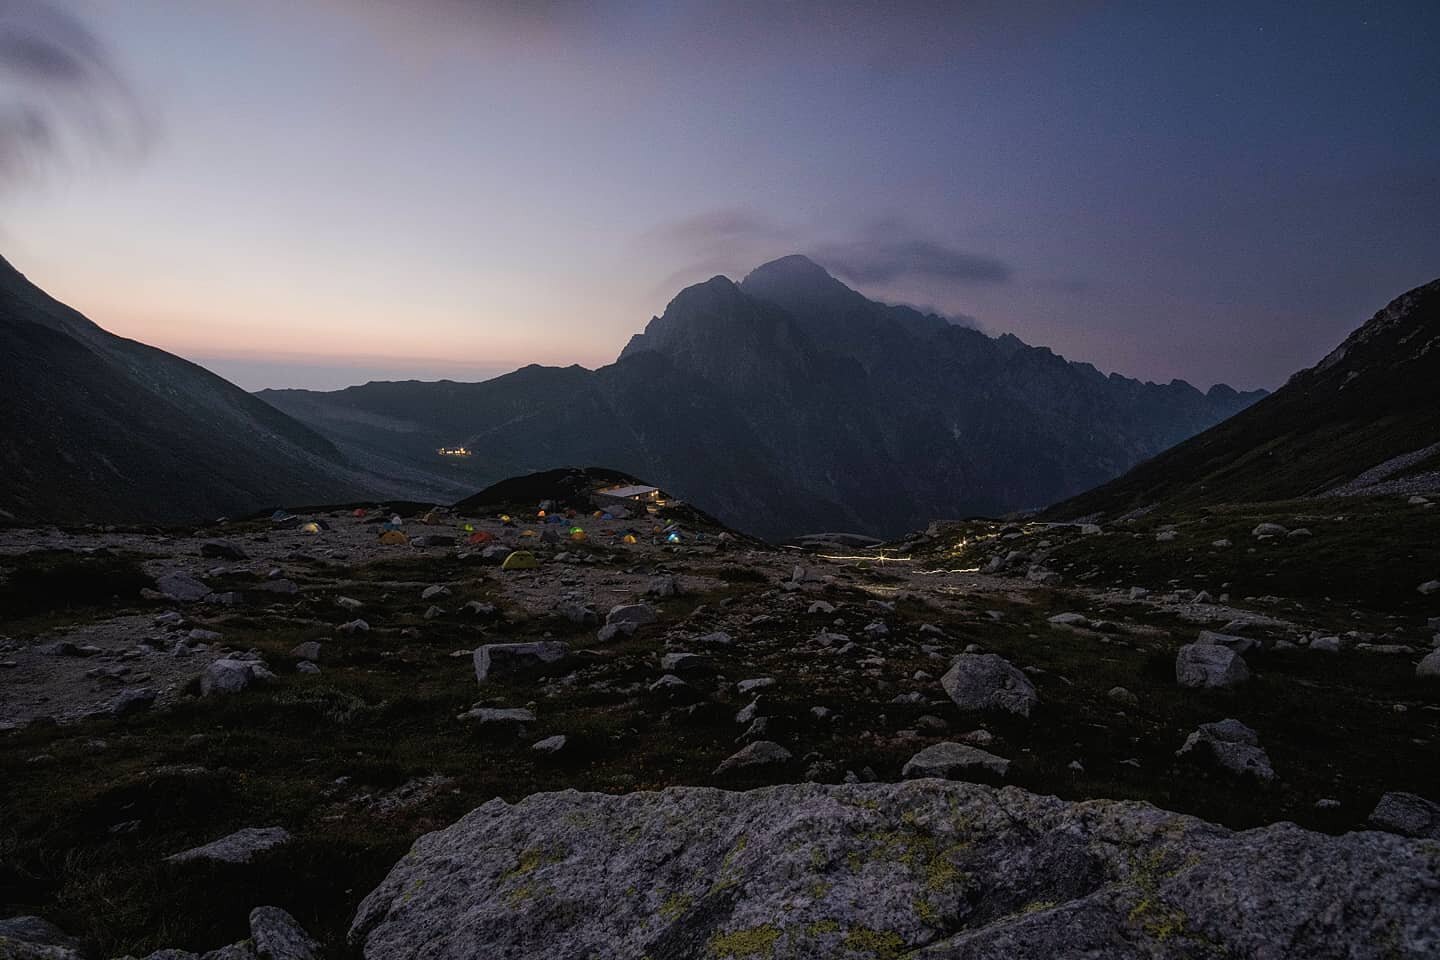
(64, 92)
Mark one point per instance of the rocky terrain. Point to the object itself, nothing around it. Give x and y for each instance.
(788, 403)
(1207, 734)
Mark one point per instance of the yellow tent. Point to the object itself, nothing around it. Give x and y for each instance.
(629, 538)
(393, 537)
(520, 560)
(311, 527)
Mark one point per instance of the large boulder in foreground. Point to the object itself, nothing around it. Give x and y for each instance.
(881, 870)
(987, 681)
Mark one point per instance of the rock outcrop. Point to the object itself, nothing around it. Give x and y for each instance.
(926, 868)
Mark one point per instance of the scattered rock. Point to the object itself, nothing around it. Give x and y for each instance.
(953, 761)
(1241, 645)
(987, 681)
(309, 650)
(181, 587)
(242, 846)
(1266, 530)
(1408, 815)
(636, 613)
(222, 550)
(1429, 587)
(760, 754)
(1070, 620)
(232, 676)
(513, 718)
(353, 626)
(687, 664)
(1123, 697)
(610, 631)
(276, 936)
(506, 661)
(133, 700)
(551, 746)
(1230, 745)
(348, 603)
(433, 591)
(1429, 668)
(32, 938)
(1208, 666)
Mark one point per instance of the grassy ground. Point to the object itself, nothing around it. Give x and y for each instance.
(85, 828)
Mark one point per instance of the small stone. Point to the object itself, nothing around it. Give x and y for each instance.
(437, 590)
(134, 700)
(242, 846)
(498, 717)
(309, 650)
(1123, 697)
(1208, 666)
(745, 687)
(550, 745)
(952, 761)
(277, 936)
(354, 626)
(348, 603)
(1230, 745)
(636, 613)
(503, 661)
(1408, 815)
(989, 682)
(757, 755)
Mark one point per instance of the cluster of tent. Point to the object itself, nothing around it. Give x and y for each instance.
(391, 530)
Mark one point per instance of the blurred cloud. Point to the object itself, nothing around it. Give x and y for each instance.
(61, 92)
(885, 260)
(884, 38)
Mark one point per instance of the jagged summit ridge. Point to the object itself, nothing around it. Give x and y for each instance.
(789, 402)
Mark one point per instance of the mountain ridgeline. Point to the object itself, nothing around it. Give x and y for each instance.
(101, 428)
(1366, 419)
(788, 403)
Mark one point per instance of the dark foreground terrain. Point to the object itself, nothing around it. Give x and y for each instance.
(833, 665)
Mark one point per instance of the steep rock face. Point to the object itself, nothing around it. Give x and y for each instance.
(1366, 419)
(103, 428)
(788, 403)
(921, 869)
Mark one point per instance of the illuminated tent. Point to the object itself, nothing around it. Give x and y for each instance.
(520, 560)
(311, 527)
(393, 538)
(480, 536)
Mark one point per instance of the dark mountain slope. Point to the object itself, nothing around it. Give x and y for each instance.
(1366, 418)
(790, 403)
(98, 427)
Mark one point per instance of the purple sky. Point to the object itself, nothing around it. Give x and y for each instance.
(320, 192)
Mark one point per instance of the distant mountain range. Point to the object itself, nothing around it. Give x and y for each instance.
(1364, 420)
(784, 404)
(101, 428)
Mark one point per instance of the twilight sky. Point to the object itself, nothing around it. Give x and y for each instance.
(322, 192)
